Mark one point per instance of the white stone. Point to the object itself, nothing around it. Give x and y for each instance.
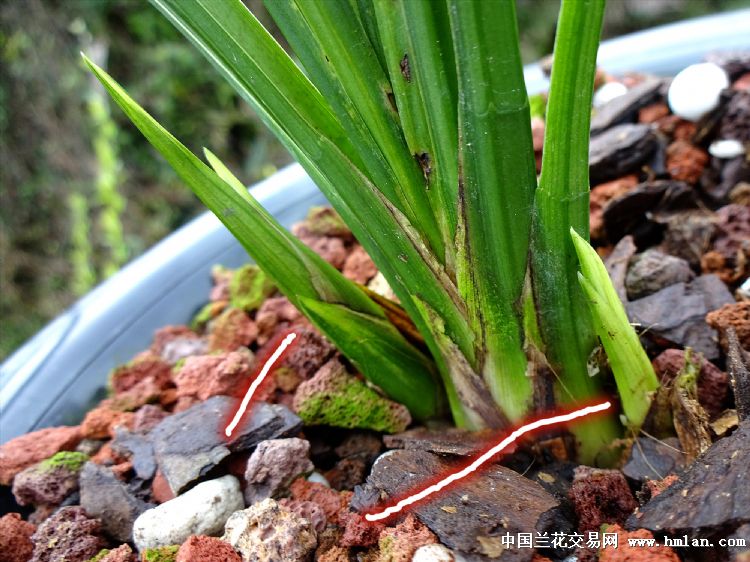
(319, 478)
(436, 553)
(202, 510)
(695, 91)
(607, 92)
(726, 149)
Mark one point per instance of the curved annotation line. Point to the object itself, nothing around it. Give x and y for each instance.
(479, 461)
(286, 342)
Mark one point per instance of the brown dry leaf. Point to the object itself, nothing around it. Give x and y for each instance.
(449, 508)
(491, 546)
(689, 417)
(727, 420)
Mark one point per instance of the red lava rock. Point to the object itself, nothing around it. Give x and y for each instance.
(358, 266)
(23, 451)
(222, 278)
(144, 366)
(713, 383)
(347, 473)
(732, 243)
(46, 485)
(275, 313)
(122, 470)
(199, 548)
(232, 329)
(203, 376)
(685, 161)
(122, 553)
(600, 496)
(653, 112)
(603, 194)
(330, 501)
(307, 510)
(68, 535)
(184, 403)
(742, 83)
(737, 316)
(330, 249)
(626, 553)
(160, 489)
(334, 554)
(656, 487)
(310, 352)
(405, 538)
(358, 531)
(143, 392)
(274, 465)
(15, 538)
(167, 334)
(100, 422)
(107, 456)
(147, 417)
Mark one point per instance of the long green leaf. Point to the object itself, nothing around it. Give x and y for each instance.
(419, 56)
(382, 354)
(634, 374)
(497, 178)
(301, 274)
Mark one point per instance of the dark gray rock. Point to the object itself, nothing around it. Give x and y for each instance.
(105, 497)
(677, 314)
(654, 459)
(652, 271)
(138, 448)
(619, 151)
(624, 109)
(188, 445)
(472, 515)
(617, 264)
(445, 441)
(711, 497)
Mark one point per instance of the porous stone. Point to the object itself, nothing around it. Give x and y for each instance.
(710, 497)
(182, 348)
(15, 538)
(274, 314)
(31, 448)
(69, 535)
(330, 501)
(685, 161)
(203, 510)
(249, 287)
(274, 465)
(677, 313)
(51, 481)
(333, 397)
(471, 516)
(601, 195)
(266, 532)
(206, 549)
(204, 376)
(160, 554)
(189, 444)
(600, 496)
(732, 315)
(100, 422)
(307, 510)
(358, 266)
(146, 366)
(309, 353)
(619, 151)
(232, 329)
(105, 497)
(653, 270)
(399, 543)
(624, 552)
(122, 553)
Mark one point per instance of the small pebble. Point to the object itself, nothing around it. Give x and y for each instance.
(726, 149)
(435, 553)
(695, 90)
(608, 92)
(319, 478)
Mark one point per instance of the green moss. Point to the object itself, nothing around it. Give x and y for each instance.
(161, 554)
(70, 460)
(203, 316)
(249, 288)
(102, 553)
(324, 221)
(538, 105)
(352, 406)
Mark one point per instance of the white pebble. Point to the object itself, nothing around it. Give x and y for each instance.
(726, 149)
(607, 92)
(744, 289)
(435, 553)
(695, 91)
(201, 511)
(319, 478)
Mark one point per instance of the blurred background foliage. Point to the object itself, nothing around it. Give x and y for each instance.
(82, 193)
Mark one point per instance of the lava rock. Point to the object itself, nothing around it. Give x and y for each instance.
(31, 448)
(333, 397)
(105, 497)
(619, 151)
(15, 538)
(625, 108)
(652, 271)
(69, 535)
(710, 497)
(274, 465)
(249, 287)
(274, 314)
(202, 510)
(266, 532)
(146, 366)
(307, 510)
(402, 541)
(358, 266)
(685, 161)
(652, 459)
(330, 501)
(122, 553)
(600, 496)
(147, 417)
(204, 376)
(347, 473)
(677, 313)
(309, 353)
(732, 315)
(624, 552)
(49, 482)
(138, 448)
(206, 549)
(232, 329)
(189, 444)
(471, 516)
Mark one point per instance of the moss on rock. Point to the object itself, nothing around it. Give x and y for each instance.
(69, 460)
(161, 554)
(249, 288)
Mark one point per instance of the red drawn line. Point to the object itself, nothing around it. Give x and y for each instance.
(286, 342)
(480, 460)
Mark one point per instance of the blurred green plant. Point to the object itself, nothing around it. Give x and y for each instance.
(412, 116)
